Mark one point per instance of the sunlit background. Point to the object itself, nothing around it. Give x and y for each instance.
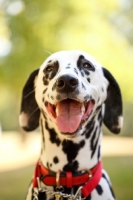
(30, 30)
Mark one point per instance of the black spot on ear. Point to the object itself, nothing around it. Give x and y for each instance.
(71, 166)
(99, 189)
(55, 160)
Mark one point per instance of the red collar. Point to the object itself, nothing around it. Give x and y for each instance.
(89, 179)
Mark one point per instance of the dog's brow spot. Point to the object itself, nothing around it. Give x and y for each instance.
(55, 160)
(49, 61)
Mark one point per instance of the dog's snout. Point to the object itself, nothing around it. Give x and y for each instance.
(66, 83)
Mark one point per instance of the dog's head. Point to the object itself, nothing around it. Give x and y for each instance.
(68, 89)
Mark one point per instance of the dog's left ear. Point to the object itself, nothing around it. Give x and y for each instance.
(30, 113)
(113, 105)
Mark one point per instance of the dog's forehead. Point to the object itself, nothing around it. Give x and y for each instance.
(69, 57)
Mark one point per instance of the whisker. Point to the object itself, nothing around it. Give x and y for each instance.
(34, 112)
(29, 94)
(48, 52)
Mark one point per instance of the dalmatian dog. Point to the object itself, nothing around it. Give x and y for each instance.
(69, 97)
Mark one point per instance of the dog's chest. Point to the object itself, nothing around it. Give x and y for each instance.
(69, 155)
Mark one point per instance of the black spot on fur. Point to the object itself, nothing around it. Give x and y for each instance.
(45, 90)
(81, 61)
(71, 166)
(86, 97)
(49, 61)
(99, 153)
(75, 70)
(102, 89)
(54, 87)
(52, 97)
(99, 189)
(68, 67)
(93, 138)
(89, 197)
(88, 79)
(89, 129)
(82, 74)
(45, 82)
(111, 190)
(53, 135)
(55, 160)
(87, 72)
(94, 145)
(83, 86)
(71, 149)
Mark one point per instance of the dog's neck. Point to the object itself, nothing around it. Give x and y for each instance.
(80, 153)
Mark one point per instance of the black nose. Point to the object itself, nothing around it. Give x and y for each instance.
(66, 83)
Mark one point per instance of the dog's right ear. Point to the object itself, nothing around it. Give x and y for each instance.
(29, 113)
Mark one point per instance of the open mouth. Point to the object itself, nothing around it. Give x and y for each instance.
(69, 114)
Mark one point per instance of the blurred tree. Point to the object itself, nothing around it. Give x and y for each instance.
(31, 29)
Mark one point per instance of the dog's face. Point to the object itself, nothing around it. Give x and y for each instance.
(70, 86)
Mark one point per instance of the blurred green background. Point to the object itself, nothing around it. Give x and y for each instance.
(30, 29)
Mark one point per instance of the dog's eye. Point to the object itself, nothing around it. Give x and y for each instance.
(87, 65)
(49, 68)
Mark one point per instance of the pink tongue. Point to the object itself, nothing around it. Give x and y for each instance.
(68, 116)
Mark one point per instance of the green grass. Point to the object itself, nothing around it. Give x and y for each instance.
(14, 184)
